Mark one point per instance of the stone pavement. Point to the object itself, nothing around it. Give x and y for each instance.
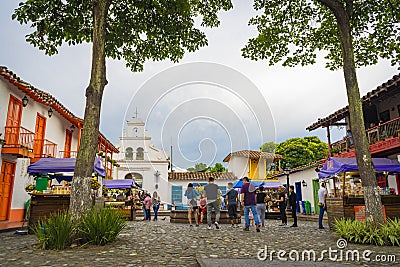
(163, 244)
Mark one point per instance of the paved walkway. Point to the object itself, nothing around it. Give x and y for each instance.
(163, 244)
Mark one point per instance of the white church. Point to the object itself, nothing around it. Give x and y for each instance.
(141, 160)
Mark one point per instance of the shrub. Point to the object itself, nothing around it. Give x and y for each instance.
(55, 232)
(101, 226)
(391, 230)
(363, 233)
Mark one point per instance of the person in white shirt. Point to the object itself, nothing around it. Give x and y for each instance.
(322, 193)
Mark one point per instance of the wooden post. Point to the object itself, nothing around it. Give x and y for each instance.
(328, 135)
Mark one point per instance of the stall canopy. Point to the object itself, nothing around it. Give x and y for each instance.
(336, 165)
(61, 165)
(123, 183)
(274, 184)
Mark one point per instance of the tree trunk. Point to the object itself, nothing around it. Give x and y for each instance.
(373, 202)
(81, 196)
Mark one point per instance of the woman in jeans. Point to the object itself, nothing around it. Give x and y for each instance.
(260, 199)
(155, 201)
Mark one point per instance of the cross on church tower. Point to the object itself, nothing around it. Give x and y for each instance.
(136, 113)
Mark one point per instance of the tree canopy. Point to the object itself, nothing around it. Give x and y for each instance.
(300, 151)
(199, 167)
(136, 30)
(202, 167)
(268, 147)
(292, 32)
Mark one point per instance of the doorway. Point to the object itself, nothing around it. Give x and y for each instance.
(40, 129)
(6, 185)
(67, 146)
(13, 121)
(315, 185)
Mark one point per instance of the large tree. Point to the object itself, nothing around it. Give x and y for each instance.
(300, 151)
(353, 33)
(133, 30)
(268, 147)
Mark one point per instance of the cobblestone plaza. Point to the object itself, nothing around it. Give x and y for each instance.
(162, 243)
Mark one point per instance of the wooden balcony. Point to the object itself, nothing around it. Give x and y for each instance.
(383, 139)
(67, 154)
(43, 148)
(18, 141)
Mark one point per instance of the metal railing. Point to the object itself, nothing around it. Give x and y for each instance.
(375, 134)
(17, 136)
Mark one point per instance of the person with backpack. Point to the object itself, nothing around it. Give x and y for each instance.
(191, 195)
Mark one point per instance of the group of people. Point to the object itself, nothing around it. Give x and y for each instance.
(207, 199)
(150, 202)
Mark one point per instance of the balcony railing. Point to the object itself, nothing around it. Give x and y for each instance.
(374, 135)
(68, 154)
(47, 149)
(18, 137)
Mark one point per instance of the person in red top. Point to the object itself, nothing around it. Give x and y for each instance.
(202, 208)
(147, 205)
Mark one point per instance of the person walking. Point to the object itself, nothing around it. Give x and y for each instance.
(282, 205)
(155, 201)
(232, 200)
(147, 205)
(261, 207)
(142, 198)
(293, 205)
(211, 191)
(248, 198)
(191, 195)
(322, 193)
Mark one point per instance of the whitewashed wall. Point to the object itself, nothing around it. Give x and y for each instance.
(306, 175)
(239, 166)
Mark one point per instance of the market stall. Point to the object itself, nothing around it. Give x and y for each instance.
(122, 194)
(48, 197)
(271, 189)
(346, 200)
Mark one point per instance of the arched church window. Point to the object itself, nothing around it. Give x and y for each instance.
(135, 132)
(140, 153)
(129, 153)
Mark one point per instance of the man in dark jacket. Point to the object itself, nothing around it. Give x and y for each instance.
(293, 206)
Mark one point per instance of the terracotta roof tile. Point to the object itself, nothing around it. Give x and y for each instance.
(253, 155)
(43, 97)
(201, 176)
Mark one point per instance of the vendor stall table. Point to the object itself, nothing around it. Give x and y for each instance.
(348, 207)
(42, 205)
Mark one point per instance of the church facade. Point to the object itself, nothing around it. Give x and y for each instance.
(141, 160)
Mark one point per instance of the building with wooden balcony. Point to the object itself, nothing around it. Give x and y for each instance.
(33, 125)
(381, 109)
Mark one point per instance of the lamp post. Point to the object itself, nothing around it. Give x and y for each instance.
(286, 171)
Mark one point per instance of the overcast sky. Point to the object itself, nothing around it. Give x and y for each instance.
(205, 112)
